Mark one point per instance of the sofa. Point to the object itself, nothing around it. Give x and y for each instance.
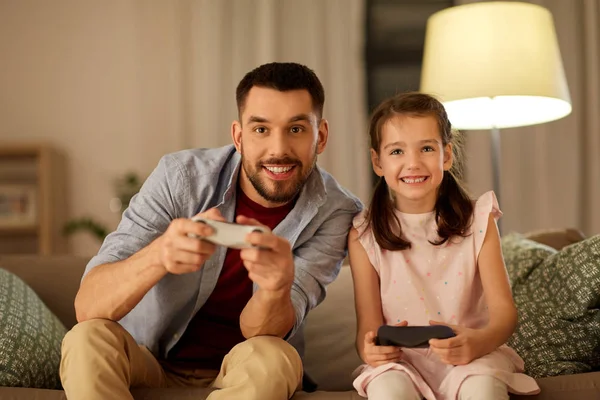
(330, 355)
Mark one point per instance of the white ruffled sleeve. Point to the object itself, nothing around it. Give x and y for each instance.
(485, 205)
(367, 240)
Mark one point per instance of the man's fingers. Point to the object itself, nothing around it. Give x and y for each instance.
(180, 268)
(194, 245)
(403, 323)
(268, 240)
(243, 220)
(212, 213)
(185, 226)
(187, 257)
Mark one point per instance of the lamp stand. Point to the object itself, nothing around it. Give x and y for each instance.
(495, 150)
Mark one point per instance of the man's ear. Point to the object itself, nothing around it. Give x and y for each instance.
(376, 163)
(323, 135)
(448, 157)
(236, 135)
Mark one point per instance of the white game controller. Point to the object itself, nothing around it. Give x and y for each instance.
(228, 234)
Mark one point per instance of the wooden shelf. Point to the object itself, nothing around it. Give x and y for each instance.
(32, 189)
(19, 230)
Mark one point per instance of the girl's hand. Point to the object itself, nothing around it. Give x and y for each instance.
(378, 355)
(466, 346)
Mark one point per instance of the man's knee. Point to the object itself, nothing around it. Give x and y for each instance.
(275, 352)
(92, 332)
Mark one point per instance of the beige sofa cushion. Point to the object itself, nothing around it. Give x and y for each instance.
(330, 354)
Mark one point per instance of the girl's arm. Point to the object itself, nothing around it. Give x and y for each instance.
(470, 344)
(367, 301)
(496, 287)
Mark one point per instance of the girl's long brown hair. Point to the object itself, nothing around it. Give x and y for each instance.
(453, 207)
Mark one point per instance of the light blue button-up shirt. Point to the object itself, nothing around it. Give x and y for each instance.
(192, 181)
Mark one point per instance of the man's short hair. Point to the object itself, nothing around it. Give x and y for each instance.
(282, 77)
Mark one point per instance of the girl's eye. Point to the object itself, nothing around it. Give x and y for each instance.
(396, 151)
(260, 129)
(427, 148)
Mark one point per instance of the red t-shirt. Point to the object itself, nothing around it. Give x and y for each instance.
(215, 328)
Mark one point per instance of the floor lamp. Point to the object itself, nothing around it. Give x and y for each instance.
(495, 65)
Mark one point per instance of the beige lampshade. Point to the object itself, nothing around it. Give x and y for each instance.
(495, 64)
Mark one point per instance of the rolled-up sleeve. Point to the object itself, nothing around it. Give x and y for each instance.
(317, 263)
(148, 215)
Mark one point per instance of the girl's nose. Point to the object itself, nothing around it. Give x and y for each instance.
(412, 160)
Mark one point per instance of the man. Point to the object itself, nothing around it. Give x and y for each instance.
(194, 314)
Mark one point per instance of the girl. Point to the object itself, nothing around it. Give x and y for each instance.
(424, 254)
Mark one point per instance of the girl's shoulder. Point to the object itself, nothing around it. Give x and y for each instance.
(360, 222)
(485, 205)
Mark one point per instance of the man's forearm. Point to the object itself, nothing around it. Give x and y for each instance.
(111, 291)
(268, 313)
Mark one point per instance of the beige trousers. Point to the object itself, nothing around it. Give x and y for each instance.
(101, 360)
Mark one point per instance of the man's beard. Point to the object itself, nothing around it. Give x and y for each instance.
(279, 192)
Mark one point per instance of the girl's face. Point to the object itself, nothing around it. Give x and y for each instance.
(412, 160)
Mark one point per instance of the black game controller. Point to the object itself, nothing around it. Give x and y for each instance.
(411, 336)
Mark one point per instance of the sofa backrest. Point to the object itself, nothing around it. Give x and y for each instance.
(55, 279)
(330, 353)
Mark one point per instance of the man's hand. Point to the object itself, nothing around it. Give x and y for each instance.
(271, 265)
(466, 346)
(379, 355)
(181, 254)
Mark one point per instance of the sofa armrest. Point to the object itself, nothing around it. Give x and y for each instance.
(55, 279)
(556, 238)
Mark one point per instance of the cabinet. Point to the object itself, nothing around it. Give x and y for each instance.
(33, 205)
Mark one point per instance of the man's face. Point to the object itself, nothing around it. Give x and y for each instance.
(279, 137)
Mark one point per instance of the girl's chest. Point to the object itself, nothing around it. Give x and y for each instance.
(429, 263)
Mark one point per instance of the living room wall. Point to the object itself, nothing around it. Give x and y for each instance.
(115, 84)
(100, 80)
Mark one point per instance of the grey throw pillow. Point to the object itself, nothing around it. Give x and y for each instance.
(30, 337)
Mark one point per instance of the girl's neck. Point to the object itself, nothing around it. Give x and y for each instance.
(408, 206)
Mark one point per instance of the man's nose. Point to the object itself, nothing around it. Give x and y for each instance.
(279, 145)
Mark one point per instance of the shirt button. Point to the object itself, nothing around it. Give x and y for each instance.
(176, 336)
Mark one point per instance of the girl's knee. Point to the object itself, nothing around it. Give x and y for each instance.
(392, 384)
(483, 387)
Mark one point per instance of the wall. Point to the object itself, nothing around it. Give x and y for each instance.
(115, 84)
(100, 80)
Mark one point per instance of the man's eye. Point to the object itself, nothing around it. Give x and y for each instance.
(296, 129)
(260, 129)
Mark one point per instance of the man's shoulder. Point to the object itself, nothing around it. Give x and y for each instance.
(202, 161)
(339, 196)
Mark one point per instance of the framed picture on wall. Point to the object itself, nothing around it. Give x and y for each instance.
(18, 205)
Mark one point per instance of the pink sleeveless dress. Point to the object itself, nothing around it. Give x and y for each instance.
(441, 283)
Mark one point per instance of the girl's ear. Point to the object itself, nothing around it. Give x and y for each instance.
(376, 163)
(448, 157)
